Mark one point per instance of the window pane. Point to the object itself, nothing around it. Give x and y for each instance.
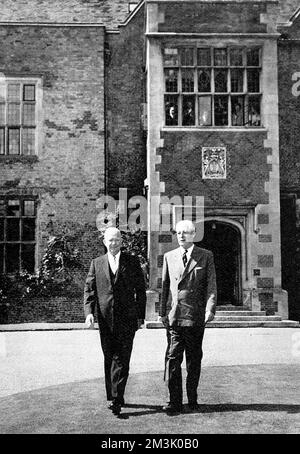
(28, 229)
(12, 258)
(2, 207)
(29, 93)
(29, 208)
(2, 91)
(171, 110)
(2, 141)
(13, 141)
(171, 57)
(220, 57)
(236, 57)
(29, 114)
(13, 114)
(236, 76)
(204, 85)
(13, 229)
(13, 92)
(221, 110)
(27, 257)
(253, 57)
(13, 208)
(204, 103)
(187, 80)
(188, 110)
(237, 109)
(187, 57)
(203, 57)
(171, 80)
(28, 142)
(254, 111)
(221, 80)
(253, 80)
(2, 114)
(1, 229)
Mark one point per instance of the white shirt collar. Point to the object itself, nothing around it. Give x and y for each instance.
(189, 250)
(116, 257)
(114, 261)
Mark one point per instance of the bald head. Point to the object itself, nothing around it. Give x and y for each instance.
(111, 231)
(112, 240)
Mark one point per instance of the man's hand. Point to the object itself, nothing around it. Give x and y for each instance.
(140, 322)
(164, 320)
(89, 321)
(209, 316)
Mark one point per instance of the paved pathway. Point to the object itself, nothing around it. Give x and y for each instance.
(52, 382)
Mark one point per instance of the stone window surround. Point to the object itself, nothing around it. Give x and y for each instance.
(23, 81)
(211, 94)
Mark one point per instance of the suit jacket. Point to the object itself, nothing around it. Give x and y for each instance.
(188, 292)
(120, 300)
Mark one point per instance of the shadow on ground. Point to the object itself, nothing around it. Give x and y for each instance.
(233, 399)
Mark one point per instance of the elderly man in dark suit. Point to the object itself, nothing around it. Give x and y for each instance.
(189, 279)
(115, 287)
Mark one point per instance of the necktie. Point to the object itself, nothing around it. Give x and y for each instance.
(115, 267)
(184, 258)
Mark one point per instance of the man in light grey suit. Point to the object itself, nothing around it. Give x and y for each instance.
(188, 302)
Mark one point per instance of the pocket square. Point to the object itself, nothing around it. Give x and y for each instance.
(199, 268)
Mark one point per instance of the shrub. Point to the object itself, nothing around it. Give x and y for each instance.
(55, 277)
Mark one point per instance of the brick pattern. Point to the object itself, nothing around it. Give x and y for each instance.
(226, 18)
(289, 134)
(262, 218)
(289, 137)
(265, 238)
(106, 12)
(246, 165)
(267, 303)
(164, 238)
(126, 143)
(68, 174)
(56, 310)
(157, 306)
(160, 260)
(265, 261)
(265, 282)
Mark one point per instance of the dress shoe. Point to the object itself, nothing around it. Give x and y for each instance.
(170, 408)
(116, 408)
(111, 404)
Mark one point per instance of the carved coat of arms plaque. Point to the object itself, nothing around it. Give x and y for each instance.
(213, 162)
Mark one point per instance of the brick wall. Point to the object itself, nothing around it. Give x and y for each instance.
(289, 139)
(247, 168)
(68, 173)
(38, 310)
(126, 142)
(230, 17)
(289, 113)
(106, 12)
